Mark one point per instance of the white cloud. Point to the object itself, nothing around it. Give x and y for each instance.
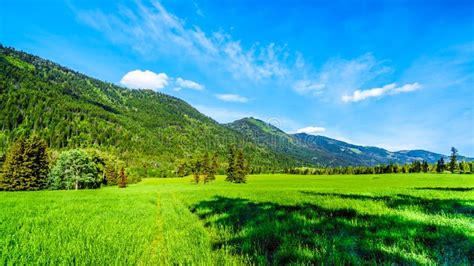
(231, 98)
(138, 79)
(337, 76)
(188, 84)
(391, 89)
(407, 88)
(311, 130)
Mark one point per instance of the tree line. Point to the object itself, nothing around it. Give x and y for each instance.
(453, 166)
(30, 165)
(205, 168)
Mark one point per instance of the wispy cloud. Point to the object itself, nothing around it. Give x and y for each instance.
(187, 84)
(311, 130)
(198, 10)
(232, 98)
(138, 79)
(448, 68)
(151, 30)
(390, 89)
(338, 76)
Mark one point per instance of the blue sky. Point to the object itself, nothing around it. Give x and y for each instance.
(394, 74)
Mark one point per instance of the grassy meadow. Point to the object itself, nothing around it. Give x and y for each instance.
(273, 219)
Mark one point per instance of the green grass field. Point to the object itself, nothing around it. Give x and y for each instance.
(274, 219)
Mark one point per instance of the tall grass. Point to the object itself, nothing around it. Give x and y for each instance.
(274, 219)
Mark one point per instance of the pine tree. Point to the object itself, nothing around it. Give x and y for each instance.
(122, 183)
(240, 168)
(425, 166)
(440, 166)
(26, 165)
(453, 160)
(231, 168)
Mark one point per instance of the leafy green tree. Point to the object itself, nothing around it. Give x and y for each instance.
(453, 160)
(75, 169)
(181, 170)
(214, 166)
(464, 167)
(26, 165)
(107, 164)
(197, 168)
(206, 168)
(110, 174)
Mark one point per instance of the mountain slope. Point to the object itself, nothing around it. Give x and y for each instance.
(366, 155)
(69, 109)
(271, 137)
(280, 142)
(325, 151)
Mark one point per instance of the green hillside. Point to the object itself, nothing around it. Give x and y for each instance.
(324, 151)
(278, 141)
(69, 109)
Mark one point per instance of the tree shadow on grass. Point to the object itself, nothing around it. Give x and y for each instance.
(270, 233)
(400, 201)
(459, 189)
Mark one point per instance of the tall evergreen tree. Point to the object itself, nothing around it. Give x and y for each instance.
(240, 168)
(453, 160)
(440, 165)
(425, 166)
(231, 168)
(26, 165)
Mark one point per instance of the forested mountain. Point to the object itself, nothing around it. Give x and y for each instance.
(143, 127)
(362, 155)
(325, 151)
(69, 109)
(278, 141)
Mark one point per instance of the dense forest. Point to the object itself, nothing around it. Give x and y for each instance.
(151, 131)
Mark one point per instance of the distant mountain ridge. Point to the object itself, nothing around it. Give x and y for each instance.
(373, 155)
(325, 151)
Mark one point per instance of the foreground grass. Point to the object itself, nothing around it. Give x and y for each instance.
(274, 219)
